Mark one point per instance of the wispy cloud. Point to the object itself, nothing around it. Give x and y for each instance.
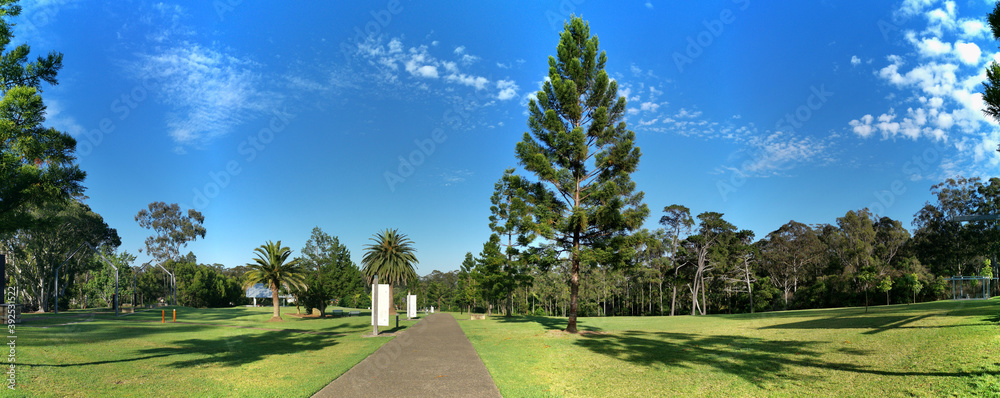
(58, 119)
(211, 92)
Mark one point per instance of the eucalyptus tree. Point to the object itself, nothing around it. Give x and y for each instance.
(172, 229)
(273, 268)
(712, 230)
(677, 219)
(789, 253)
(581, 150)
(34, 254)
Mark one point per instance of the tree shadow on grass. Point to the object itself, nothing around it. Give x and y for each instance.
(758, 361)
(546, 322)
(881, 319)
(242, 349)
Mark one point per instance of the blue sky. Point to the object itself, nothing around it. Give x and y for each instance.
(271, 120)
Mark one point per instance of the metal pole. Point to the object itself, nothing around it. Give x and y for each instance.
(375, 306)
(118, 299)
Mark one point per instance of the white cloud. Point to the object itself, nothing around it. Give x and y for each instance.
(649, 106)
(460, 50)
(478, 82)
(58, 119)
(468, 59)
(649, 5)
(508, 89)
(211, 92)
(686, 114)
(855, 60)
(913, 7)
(968, 53)
(863, 127)
(973, 29)
(420, 63)
(931, 46)
(395, 46)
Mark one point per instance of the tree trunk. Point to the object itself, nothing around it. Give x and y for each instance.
(704, 302)
(275, 302)
(574, 284)
(661, 297)
(746, 267)
(673, 293)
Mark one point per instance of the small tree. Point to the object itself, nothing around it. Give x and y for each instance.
(885, 285)
(913, 282)
(272, 267)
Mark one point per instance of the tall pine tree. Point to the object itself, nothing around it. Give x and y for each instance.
(580, 148)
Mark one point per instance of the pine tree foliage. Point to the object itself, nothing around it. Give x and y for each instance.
(580, 147)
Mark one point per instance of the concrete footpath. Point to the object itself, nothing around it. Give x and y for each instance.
(430, 359)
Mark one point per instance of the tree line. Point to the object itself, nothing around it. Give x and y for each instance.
(704, 264)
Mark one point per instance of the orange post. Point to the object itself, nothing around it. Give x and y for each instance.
(175, 315)
(164, 319)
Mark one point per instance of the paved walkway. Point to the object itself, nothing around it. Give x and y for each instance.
(430, 359)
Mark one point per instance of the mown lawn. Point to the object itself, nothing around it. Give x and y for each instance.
(208, 352)
(940, 349)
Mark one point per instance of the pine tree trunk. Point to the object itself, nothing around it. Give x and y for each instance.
(574, 284)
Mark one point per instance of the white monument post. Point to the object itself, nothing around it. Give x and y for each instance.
(383, 303)
(411, 306)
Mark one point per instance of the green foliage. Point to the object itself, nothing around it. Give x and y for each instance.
(172, 229)
(36, 163)
(329, 273)
(272, 268)
(580, 148)
(391, 257)
(35, 253)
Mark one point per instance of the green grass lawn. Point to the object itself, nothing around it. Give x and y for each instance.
(208, 352)
(935, 349)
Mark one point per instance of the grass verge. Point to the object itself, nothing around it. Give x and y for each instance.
(207, 352)
(935, 349)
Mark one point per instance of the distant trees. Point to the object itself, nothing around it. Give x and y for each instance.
(34, 253)
(512, 220)
(789, 254)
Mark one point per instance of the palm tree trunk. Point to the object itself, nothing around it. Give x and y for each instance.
(274, 300)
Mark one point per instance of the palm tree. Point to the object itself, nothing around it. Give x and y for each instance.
(391, 258)
(272, 268)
